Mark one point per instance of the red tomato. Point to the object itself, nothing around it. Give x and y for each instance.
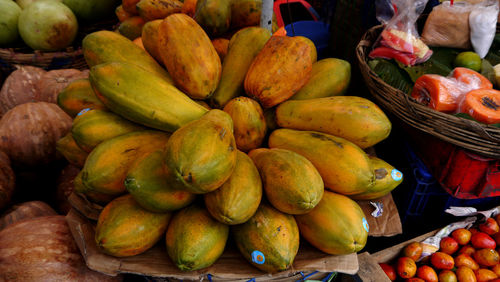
(389, 271)
(481, 240)
(448, 245)
(427, 273)
(441, 260)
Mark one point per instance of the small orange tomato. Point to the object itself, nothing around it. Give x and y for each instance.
(496, 269)
(448, 245)
(389, 271)
(413, 250)
(462, 236)
(441, 260)
(490, 226)
(427, 273)
(447, 276)
(484, 275)
(486, 257)
(467, 249)
(406, 267)
(465, 274)
(466, 260)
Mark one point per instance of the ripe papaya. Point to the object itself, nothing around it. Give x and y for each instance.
(106, 46)
(78, 95)
(270, 116)
(125, 229)
(314, 53)
(386, 179)
(249, 122)
(130, 6)
(244, 46)
(280, 69)
(138, 96)
(92, 127)
(337, 225)
(150, 39)
(214, 16)
(107, 165)
(198, 244)
(329, 77)
(131, 28)
(157, 9)
(354, 118)
(344, 167)
(147, 182)
(269, 240)
(221, 46)
(189, 7)
(96, 197)
(202, 154)
(239, 197)
(189, 56)
(292, 184)
(70, 150)
(121, 14)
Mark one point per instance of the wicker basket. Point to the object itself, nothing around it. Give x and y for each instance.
(476, 137)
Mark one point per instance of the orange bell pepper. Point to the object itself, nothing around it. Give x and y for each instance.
(483, 105)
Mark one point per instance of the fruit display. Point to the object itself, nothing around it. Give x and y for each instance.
(464, 254)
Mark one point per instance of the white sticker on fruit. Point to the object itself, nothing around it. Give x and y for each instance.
(396, 175)
(83, 111)
(258, 257)
(366, 225)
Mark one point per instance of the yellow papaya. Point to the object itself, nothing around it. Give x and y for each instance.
(243, 47)
(344, 167)
(337, 225)
(78, 95)
(269, 240)
(146, 99)
(354, 118)
(329, 77)
(150, 39)
(189, 56)
(314, 53)
(92, 127)
(292, 184)
(249, 122)
(71, 151)
(106, 46)
(125, 229)
(131, 28)
(202, 154)
(107, 165)
(157, 9)
(148, 184)
(197, 244)
(280, 69)
(386, 179)
(239, 197)
(96, 197)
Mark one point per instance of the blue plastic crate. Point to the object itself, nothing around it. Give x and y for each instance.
(317, 31)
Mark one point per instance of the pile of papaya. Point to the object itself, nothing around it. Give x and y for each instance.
(177, 142)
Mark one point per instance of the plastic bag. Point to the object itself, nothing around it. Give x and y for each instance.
(400, 40)
(483, 24)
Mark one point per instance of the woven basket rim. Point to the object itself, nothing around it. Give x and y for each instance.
(477, 137)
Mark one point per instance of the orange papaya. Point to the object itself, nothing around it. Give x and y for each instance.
(353, 118)
(157, 9)
(189, 56)
(221, 45)
(280, 69)
(150, 39)
(329, 77)
(125, 229)
(78, 95)
(148, 184)
(337, 225)
(189, 7)
(314, 53)
(214, 16)
(202, 154)
(269, 240)
(198, 244)
(107, 165)
(344, 167)
(243, 47)
(249, 122)
(130, 6)
(131, 27)
(71, 151)
(121, 14)
(138, 96)
(239, 197)
(138, 42)
(95, 126)
(292, 184)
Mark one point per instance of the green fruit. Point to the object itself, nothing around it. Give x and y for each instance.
(92, 10)
(8, 22)
(468, 60)
(47, 25)
(25, 3)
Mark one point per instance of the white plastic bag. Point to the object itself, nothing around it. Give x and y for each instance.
(483, 24)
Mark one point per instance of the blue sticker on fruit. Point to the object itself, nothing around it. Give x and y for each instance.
(366, 225)
(258, 257)
(83, 111)
(396, 175)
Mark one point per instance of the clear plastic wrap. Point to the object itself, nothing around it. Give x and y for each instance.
(483, 24)
(400, 40)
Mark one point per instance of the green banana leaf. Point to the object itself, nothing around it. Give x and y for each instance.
(390, 72)
(441, 62)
